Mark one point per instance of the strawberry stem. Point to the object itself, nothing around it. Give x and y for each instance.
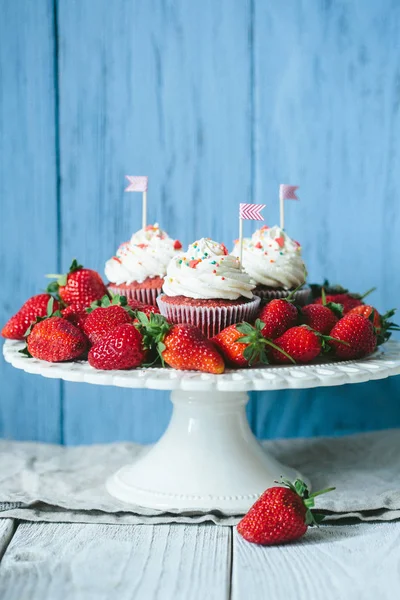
(300, 488)
(367, 293)
(255, 351)
(324, 491)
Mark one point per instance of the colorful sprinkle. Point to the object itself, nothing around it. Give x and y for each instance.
(177, 245)
(223, 278)
(271, 260)
(258, 245)
(280, 241)
(193, 263)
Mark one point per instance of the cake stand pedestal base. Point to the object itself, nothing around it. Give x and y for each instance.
(208, 459)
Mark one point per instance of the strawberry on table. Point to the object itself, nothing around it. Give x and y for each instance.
(121, 348)
(353, 336)
(181, 346)
(278, 316)
(243, 345)
(79, 286)
(55, 339)
(301, 343)
(16, 327)
(281, 514)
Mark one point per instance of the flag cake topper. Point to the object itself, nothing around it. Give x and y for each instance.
(248, 212)
(139, 184)
(286, 192)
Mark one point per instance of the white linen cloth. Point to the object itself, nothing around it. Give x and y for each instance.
(41, 482)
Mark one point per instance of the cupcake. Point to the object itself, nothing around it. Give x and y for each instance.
(205, 286)
(273, 260)
(137, 270)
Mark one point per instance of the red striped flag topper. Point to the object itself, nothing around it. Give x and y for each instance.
(248, 212)
(288, 192)
(251, 212)
(139, 184)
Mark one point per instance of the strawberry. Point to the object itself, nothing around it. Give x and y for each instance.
(102, 320)
(16, 327)
(369, 312)
(121, 348)
(55, 339)
(281, 514)
(301, 343)
(383, 327)
(318, 317)
(136, 305)
(343, 297)
(278, 316)
(346, 300)
(353, 337)
(75, 314)
(322, 317)
(186, 348)
(243, 345)
(79, 286)
(181, 346)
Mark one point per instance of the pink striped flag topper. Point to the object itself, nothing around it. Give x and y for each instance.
(251, 212)
(288, 192)
(137, 183)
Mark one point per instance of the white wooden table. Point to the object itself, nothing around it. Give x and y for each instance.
(52, 561)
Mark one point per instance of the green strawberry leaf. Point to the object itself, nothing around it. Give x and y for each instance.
(50, 307)
(336, 308)
(317, 517)
(25, 352)
(52, 288)
(75, 266)
(245, 328)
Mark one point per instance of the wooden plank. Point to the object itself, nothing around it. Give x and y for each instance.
(7, 530)
(326, 117)
(161, 89)
(29, 406)
(57, 561)
(331, 562)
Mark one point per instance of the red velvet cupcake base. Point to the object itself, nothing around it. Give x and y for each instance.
(301, 297)
(146, 295)
(210, 319)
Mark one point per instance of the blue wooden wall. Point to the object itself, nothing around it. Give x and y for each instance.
(218, 101)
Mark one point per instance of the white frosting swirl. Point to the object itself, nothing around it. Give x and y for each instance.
(273, 259)
(146, 255)
(207, 271)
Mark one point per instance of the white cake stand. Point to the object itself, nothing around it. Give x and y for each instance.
(208, 458)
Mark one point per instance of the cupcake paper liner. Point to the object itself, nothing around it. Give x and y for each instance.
(301, 297)
(146, 295)
(211, 320)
